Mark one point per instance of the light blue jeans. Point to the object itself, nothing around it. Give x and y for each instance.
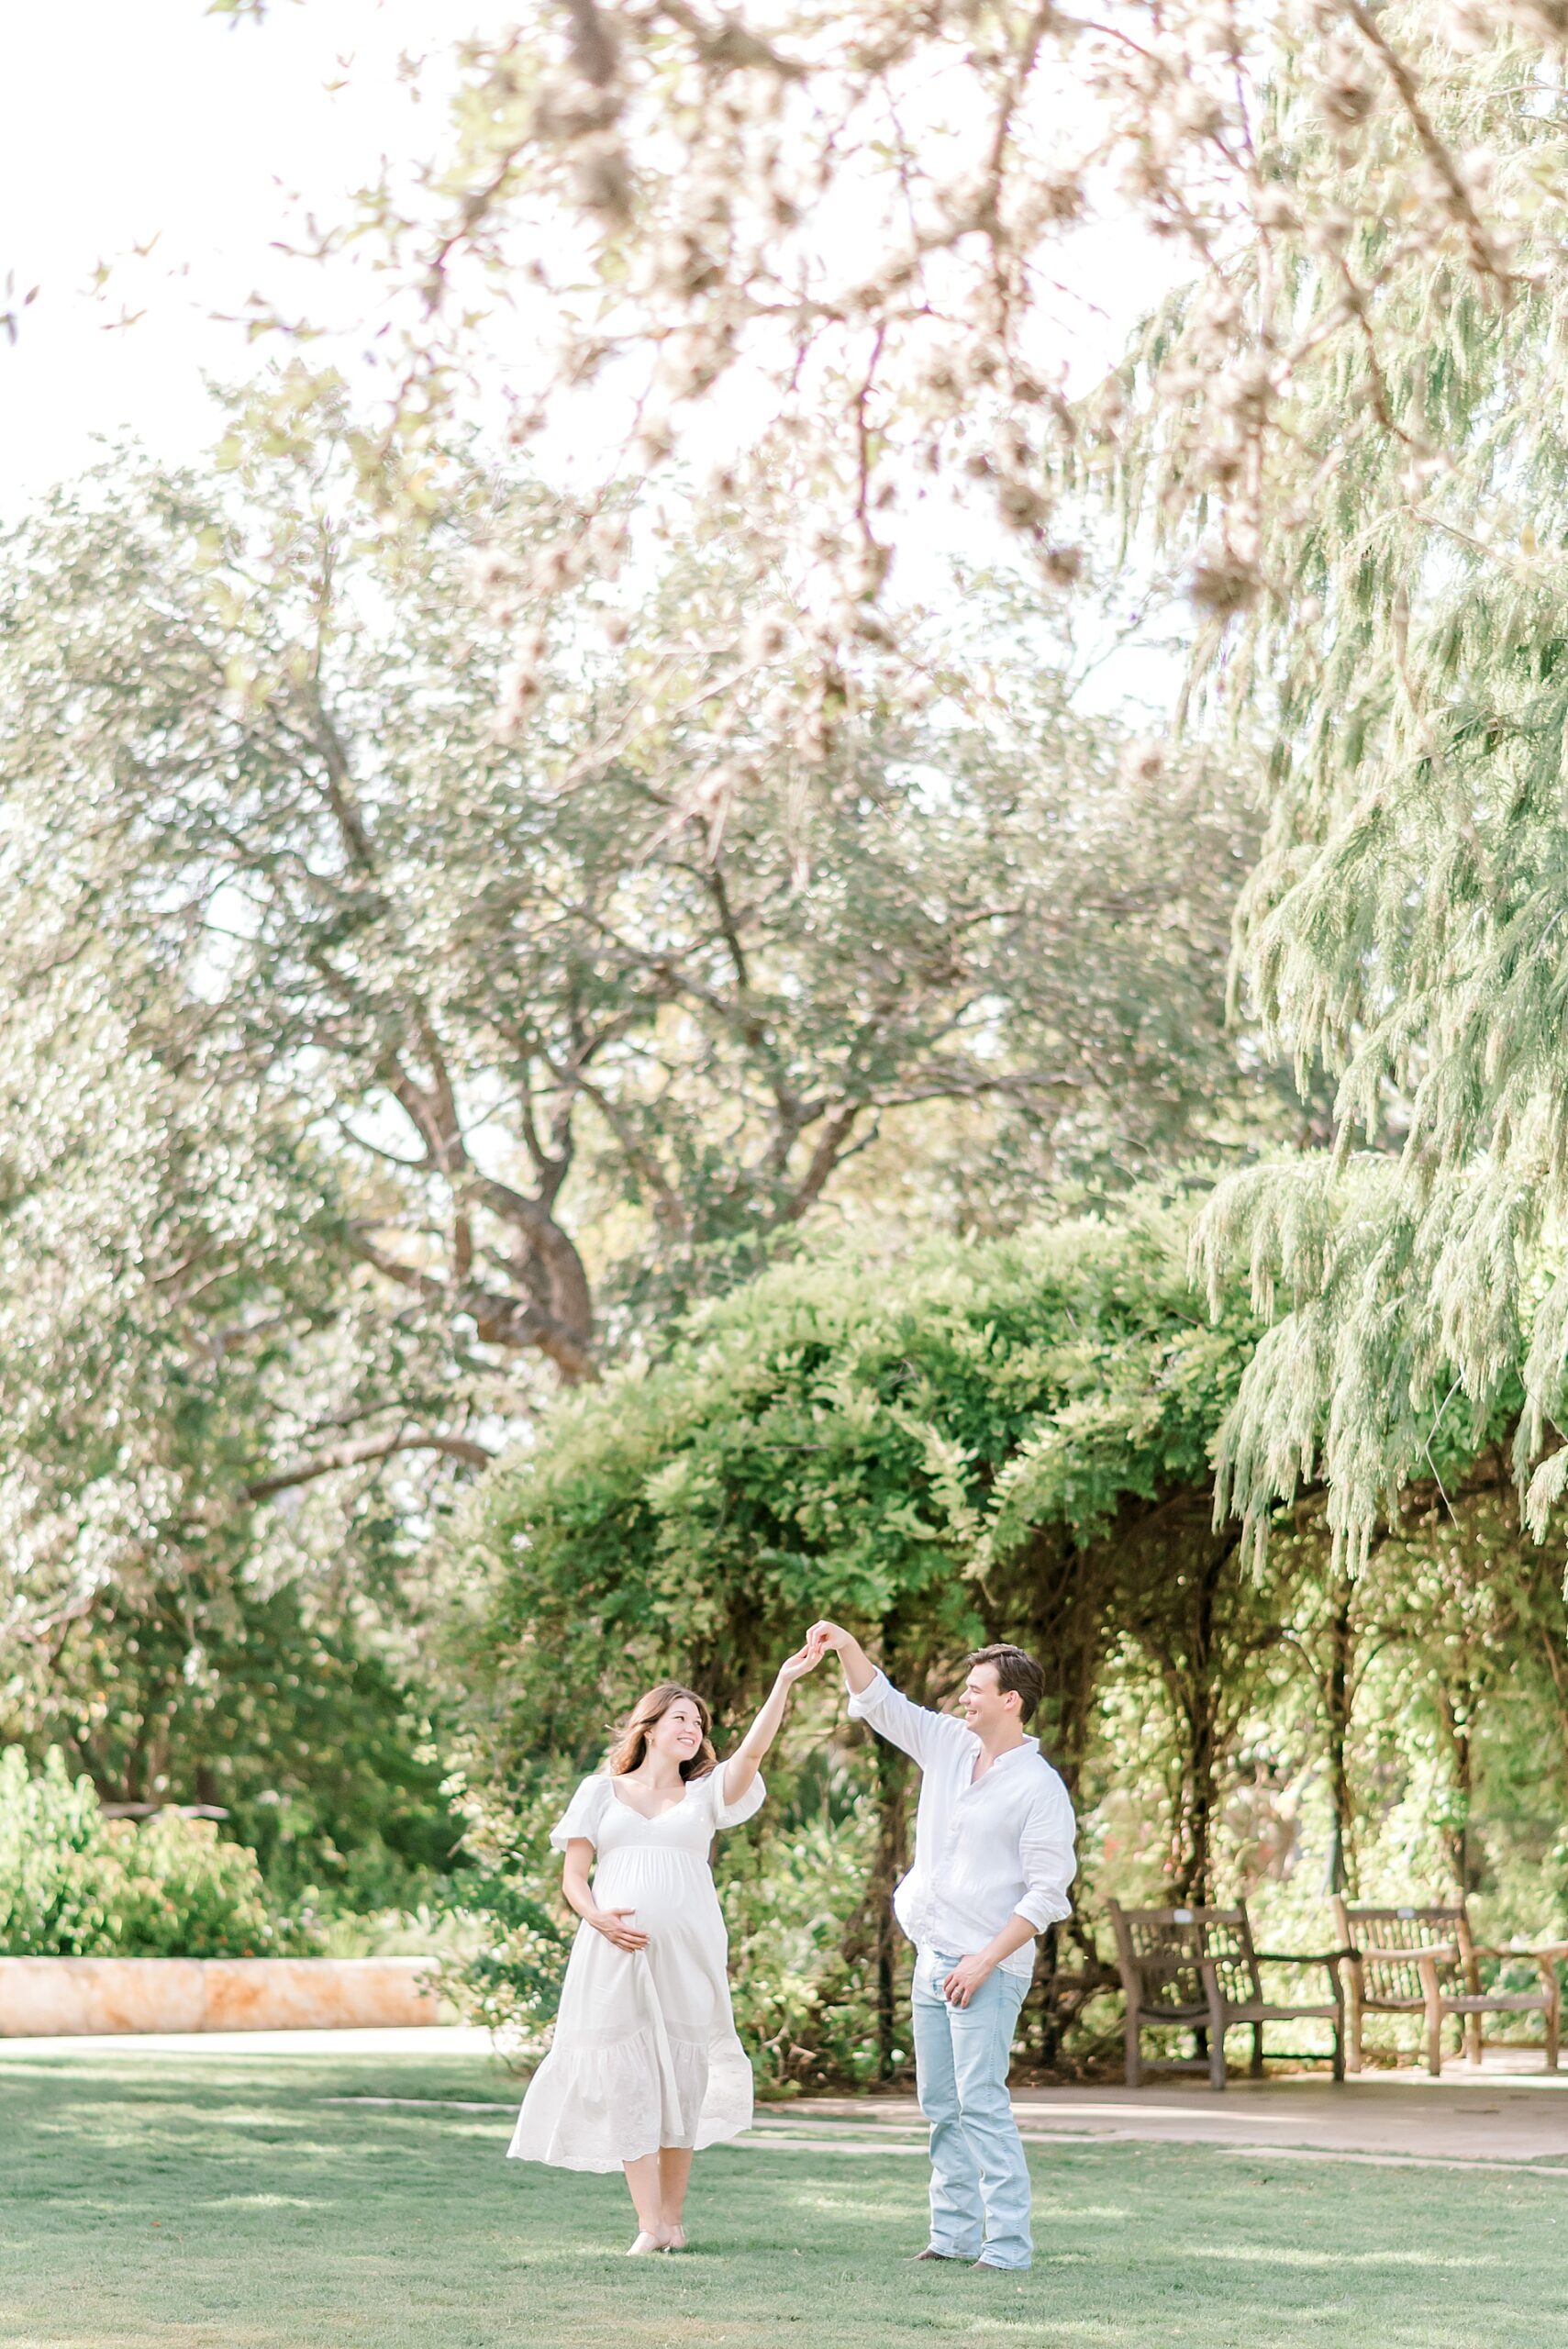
(979, 2180)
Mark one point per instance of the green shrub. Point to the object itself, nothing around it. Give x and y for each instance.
(73, 1884)
(802, 1964)
(185, 1893)
(511, 1981)
(55, 1882)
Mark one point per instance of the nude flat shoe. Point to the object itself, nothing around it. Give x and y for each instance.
(677, 2239)
(646, 2242)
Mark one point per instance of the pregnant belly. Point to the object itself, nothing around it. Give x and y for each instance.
(671, 1901)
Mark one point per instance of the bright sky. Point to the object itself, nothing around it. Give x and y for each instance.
(153, 124)
(154, 121)
(130, 119)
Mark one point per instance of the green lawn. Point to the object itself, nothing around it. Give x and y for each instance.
(227, 2202)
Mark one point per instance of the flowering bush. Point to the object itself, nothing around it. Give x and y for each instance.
(53, 1843)
(74, 1884)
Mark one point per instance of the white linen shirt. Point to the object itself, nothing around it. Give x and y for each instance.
(985, 1849)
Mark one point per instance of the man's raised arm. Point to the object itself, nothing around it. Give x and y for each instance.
(874, 1698)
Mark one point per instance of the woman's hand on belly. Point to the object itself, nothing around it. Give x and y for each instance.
(616, 1926)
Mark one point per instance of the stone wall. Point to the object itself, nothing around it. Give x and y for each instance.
(47, 1996)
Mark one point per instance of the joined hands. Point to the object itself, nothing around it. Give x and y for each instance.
(795, 1668)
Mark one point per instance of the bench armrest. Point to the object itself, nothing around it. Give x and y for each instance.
(1302, 1957)
(1544, 1959)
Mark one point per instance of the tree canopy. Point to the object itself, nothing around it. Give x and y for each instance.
(852, 249)
(1014, 1440)
(545, 1046)
(369, 1066)
(598, 862)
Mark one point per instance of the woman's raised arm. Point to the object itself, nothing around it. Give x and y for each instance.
(738, 1773)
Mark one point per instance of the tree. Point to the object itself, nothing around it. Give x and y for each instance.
(185, 1344)
(388, 1060)
(298, 1713)
(852, 237)
(998, 1444)
(1404, 921)
(1337, 436)
(152, 1324)
(576, 1035)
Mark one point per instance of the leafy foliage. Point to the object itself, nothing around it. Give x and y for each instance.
(73, 1884)
(1000, 1443)
(364, 1057)
(511, 1983)
(177, 1306)
(1012, 1440)
(1339, 435)
(618, 988)
(291, 1718)
(485, 934)
(827, 1437)
(1401, 638)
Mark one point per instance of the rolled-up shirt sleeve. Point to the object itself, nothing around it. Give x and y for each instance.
(1046, 1849)
(912, 1727)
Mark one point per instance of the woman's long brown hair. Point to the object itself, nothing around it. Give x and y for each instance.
(632, 1743)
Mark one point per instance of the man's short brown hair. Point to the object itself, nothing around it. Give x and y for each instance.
(1017, 1670)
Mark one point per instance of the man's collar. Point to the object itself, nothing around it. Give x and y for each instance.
(1028, 1745)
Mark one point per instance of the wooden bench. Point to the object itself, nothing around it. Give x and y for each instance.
(1426, 1962)
(1195, 1969)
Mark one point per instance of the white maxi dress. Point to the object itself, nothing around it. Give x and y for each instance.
(644, 2053)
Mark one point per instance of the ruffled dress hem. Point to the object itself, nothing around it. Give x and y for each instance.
(595, 2107)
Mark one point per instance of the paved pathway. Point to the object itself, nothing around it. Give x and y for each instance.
(432, 2039)
(1510, 2114)
(1500, 2115)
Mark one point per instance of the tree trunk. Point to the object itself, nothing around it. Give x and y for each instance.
(1552, 1632)
(891, 1818)
(1197, 1828)
(1068, 1611)
(1202, 1710)
(1341, 1869)
(1459, 1720)
(1048, 2018)
(892, 1783)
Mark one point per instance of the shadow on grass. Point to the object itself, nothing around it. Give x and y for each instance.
(156, 2203)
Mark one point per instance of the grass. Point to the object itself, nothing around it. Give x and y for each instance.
(226, 2203)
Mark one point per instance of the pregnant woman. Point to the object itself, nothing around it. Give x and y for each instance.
(645, 2067)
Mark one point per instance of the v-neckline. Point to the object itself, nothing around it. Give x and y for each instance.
(651, 1819)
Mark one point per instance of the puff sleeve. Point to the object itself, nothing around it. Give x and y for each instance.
(735, 1814)
(581, 1814)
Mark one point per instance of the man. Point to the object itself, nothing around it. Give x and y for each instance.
(993, 1860)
